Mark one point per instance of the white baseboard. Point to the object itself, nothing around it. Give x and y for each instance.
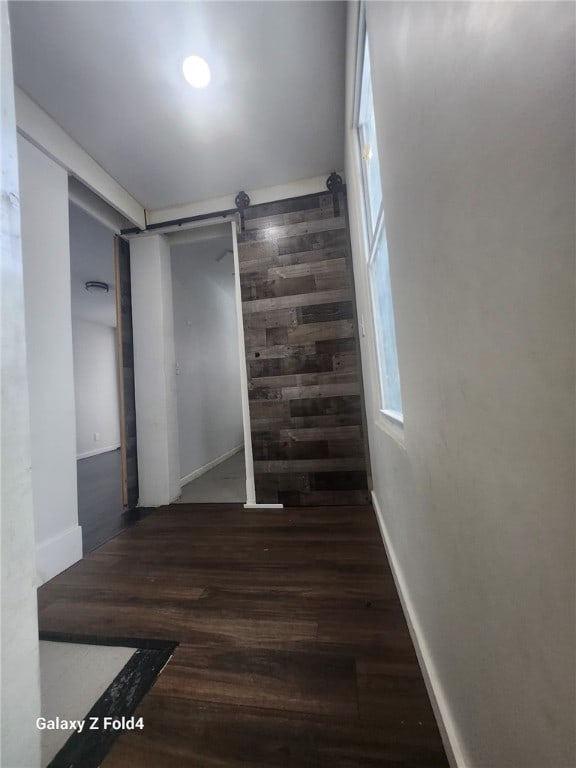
(211, 464)
(58, 553)
(448, 730)
(263, 506)
(97, 452)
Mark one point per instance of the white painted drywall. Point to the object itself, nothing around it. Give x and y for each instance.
(91, 258)
(154, 371)
(206, 343)
(96, 388)
(475, 110)
(20, 701)
(38, 127)
(46, 259)
(94, 335)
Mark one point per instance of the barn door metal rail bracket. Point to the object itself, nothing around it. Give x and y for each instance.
(335, 185)
(242, 201)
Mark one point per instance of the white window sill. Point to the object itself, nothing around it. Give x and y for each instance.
(393, 424)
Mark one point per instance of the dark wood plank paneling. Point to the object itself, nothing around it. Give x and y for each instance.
(293, 650)
(311, 297)
(128, 446)
(301, 350)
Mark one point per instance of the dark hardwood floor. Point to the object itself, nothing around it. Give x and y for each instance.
(293, 647)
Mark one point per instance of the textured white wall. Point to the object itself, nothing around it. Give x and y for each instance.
(208, 383)
(96, 387)
(20, 701)
(46, 259)
(154, 371)
(475, 110)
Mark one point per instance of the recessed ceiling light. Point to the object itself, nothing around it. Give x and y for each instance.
(196, 71)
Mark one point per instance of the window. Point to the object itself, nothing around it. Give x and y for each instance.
(378, 266)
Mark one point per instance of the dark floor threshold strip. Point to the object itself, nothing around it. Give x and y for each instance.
(111, 714)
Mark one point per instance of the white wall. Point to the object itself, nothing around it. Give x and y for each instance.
(154, 371)
(91, 258)
(206, 342)
(94, 335)
(20, 702)
(46, 258)
(475, 110)
(96, 388)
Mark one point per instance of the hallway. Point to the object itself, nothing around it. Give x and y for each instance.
(225, 483)
(359, 263)
(293, 649)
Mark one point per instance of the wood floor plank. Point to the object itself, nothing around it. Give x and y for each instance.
(321, 433)
(318, 391)
(310, 465)
(297, 681)
(198, 734)
(340, 292)
(336, 239)
(331, 266)
(277, 318)
(293, 649)
(284, 218)
(314, 332)
(300, 229)
(280, 351)
(254, 265)
(304, 379)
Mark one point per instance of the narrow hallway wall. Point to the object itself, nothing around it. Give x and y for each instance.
(205, 336)
(47, 294)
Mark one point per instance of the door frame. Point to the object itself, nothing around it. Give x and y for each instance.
(232, 220)
(250, 484)
(120, 373)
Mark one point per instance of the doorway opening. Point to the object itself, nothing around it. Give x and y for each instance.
(93, 300)
(208, 372)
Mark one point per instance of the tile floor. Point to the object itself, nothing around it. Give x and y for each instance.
(224, 483)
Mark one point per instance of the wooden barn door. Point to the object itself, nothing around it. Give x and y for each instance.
(302, 353)
(126, 373)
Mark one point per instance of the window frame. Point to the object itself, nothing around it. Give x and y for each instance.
(391, 420)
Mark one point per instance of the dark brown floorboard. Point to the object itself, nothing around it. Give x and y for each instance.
(100, 510)
(293, 647)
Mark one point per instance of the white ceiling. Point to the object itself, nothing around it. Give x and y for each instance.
(110, 74)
